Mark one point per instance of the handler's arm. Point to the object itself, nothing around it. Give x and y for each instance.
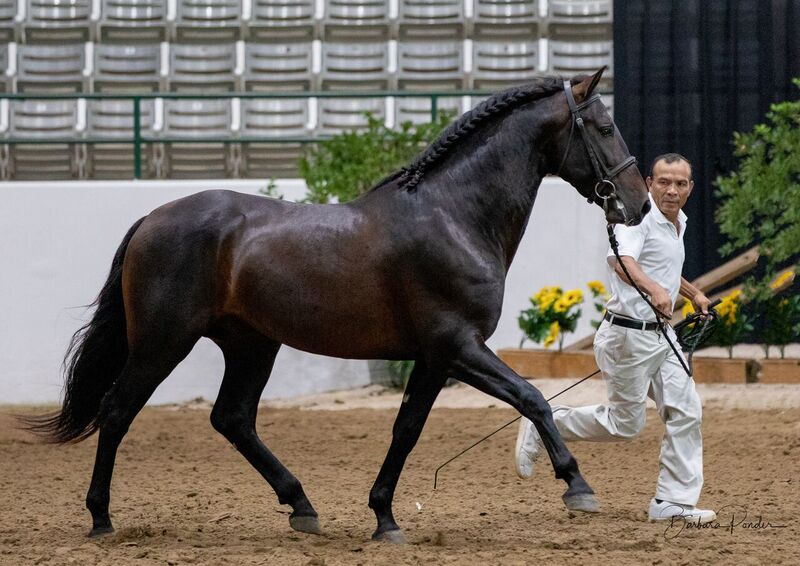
(698, 298)
(658, 295)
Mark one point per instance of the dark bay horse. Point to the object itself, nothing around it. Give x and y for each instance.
(414, 269)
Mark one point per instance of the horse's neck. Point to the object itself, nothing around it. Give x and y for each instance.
(491, 190)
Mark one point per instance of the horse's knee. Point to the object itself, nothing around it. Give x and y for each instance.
(534, 404)
(230, 425)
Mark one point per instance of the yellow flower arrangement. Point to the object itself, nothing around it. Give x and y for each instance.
(596, 287)
(551, 337)
(552, 313)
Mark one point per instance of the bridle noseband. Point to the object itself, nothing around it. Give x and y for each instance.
(604, 188)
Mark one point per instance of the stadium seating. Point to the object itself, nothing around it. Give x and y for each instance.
(128, 21)
(8, 13)
(270, 46)
(51, 68)
(497, 65)
(337, 115)
(356, 20)
(44, 120)
(281, 21)
(439, 20)
(570, 58)
(355, 66)
(57, 21)
(202, 68)
(127, 68)
(5, 80)
(208, 21)
(113, 119)
(580, 19)
(278, 66)
(187, 119)
(418, 110)
(273, 118)
(431, 66)
(506, 20)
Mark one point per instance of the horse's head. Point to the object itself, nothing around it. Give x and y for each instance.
(591, 155)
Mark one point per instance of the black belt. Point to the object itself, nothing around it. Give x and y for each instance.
(626, 322)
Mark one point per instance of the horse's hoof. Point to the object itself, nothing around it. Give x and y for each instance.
(394, 536)
(101, 531)
(306, 524)
(583, 502)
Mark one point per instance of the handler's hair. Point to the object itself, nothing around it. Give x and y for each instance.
(671, 158)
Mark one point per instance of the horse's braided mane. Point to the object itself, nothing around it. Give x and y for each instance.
(411, 175)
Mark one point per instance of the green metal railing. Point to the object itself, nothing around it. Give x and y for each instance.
(138, 139)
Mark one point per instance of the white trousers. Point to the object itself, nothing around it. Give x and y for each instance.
(635, 364)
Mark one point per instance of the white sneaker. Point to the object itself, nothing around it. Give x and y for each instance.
(529, 446)
(666, 510)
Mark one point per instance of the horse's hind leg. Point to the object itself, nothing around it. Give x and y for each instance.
(421, 391)
(144, 370)
(248, 363)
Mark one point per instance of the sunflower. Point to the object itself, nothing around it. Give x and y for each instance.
(597, 288)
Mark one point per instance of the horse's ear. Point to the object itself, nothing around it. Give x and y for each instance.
(584, 89)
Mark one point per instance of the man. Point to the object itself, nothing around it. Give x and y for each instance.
(635, 358)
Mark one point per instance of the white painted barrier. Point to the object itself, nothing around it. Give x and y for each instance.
(57, 240)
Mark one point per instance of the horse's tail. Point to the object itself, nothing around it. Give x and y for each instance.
(94, 359)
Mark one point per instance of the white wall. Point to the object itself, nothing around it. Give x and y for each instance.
(57, 241)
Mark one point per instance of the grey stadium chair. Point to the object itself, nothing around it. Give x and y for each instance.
(437, 20)
(506, 19)
(194, 119)
(51, 68)
(208, 20)
(127, 68)
(273, 118)
(113, 119)
(281, 21)
(200, 68)
(418, 110)
(129, 21)
(498, 65)
(431, 66)
(338, 115)
(8, 27)
(57, 21)
(5, 80)
(580, 19)
(356, 20)
(355, 66)
(569, 58)
(273, 66)
(43, 120)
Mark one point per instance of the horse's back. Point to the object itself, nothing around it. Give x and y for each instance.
(317, 277)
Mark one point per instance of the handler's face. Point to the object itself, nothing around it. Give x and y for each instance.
(670, 186)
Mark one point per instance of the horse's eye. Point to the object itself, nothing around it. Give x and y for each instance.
(607, 131)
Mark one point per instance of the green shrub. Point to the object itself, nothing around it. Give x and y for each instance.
(349, 164)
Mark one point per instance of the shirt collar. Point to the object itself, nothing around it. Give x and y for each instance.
(659, 217)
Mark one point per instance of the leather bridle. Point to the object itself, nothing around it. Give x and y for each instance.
(604, 188)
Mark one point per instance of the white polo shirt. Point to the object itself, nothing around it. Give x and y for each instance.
(657, 247)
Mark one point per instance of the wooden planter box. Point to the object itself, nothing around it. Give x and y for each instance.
(724, 370)
(544, 364)
(780, 371)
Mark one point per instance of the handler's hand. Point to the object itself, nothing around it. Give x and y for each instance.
(662, 301)
(701, 303)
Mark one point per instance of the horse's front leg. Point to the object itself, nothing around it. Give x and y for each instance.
(420, 393)
(478, 366)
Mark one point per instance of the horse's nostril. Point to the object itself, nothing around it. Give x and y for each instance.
(646, 207)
